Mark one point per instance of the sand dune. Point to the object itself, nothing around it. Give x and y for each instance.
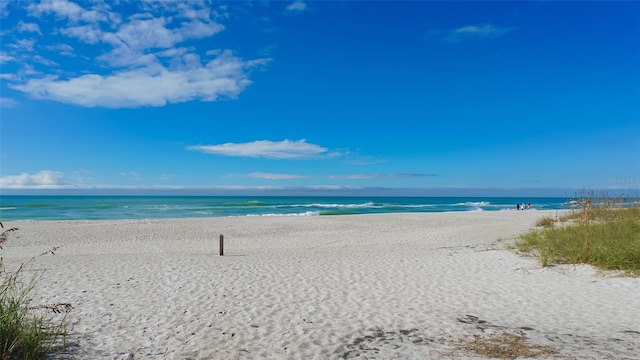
(392, 286)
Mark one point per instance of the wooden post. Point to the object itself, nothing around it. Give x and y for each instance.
(221, 245)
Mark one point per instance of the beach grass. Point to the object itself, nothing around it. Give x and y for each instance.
(546, 221)
(26, 332)
(602, 230)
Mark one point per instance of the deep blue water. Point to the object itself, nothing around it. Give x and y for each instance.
(153, 207)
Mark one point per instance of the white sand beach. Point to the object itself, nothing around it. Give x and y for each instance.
(390, 286)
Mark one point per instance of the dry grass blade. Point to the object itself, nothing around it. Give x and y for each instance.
(58, 308)
(5, 234)
(505, 346)
(51, 251)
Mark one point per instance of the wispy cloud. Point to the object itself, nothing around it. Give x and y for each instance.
(471, 32)
(297, 6)
(63, 49)
(28, 27)
(271, 176)
(81, 176)
(43, 179)
(5, 57)
(141, 59)
(223, 76)
(3, 8)
(23, 45)
(44, 61)
(379, 176)
(131, 174)
(8, 102)
(286, 149)
(67, 10)
(85, 33)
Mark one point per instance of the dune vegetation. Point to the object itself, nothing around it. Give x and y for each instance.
(601, 230)
(26, 331)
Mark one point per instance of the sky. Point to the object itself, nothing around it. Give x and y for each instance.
(415, 98)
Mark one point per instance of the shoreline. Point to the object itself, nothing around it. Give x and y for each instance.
(409, 285)
(114, 208)
(550, 212)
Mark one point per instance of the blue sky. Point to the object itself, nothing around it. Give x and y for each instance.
(319, 97)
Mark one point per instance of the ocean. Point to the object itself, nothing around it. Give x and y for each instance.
(18, 207)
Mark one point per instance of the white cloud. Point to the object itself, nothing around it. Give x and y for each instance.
(192, 13)
(23, 44)
(5, 58)
(271, 176)
(3, 8)
(221, 77)
(297, 6)
(44, 61)
(66, 9)
(175, 52)
(63, 49)
(85, 33)
(7, 102)
(379, 176)
(28, 27)
(197, 29)
(472, 32)
(28, 70)
(139, 63)
(45, 179)
(267, 149)
(7, 76)
(139, 35)
(134, 40)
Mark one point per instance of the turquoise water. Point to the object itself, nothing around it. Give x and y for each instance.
(154, 207)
